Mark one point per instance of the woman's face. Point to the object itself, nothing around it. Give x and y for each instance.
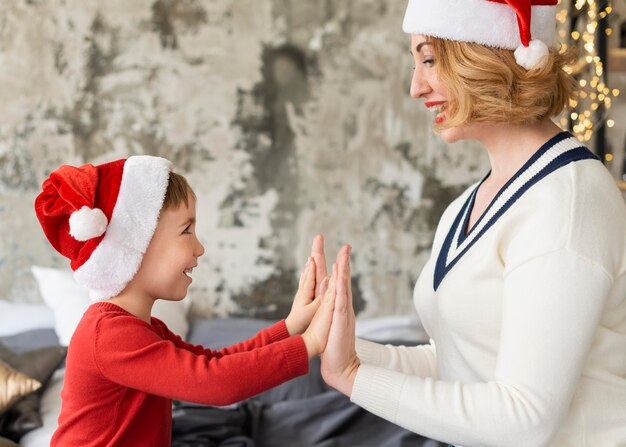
(427, 85)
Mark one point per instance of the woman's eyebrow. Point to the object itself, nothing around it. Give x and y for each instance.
(418, 48)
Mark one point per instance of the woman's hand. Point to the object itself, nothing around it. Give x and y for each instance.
(317, 253)
(304, 304)
(339, 360)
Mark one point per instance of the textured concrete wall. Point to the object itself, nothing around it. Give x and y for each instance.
(288, 117)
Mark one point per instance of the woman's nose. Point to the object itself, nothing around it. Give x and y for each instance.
(419, 86)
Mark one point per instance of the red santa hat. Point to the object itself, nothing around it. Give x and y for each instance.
(526, 26)
(103, 217)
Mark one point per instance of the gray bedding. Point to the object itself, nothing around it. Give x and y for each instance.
(303, 412)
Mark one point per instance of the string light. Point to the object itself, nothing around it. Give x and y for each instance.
(588, 70)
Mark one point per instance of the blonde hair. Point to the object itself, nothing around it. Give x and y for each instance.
(178, 191)
(486, 85)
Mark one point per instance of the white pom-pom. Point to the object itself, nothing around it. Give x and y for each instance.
(87, 223)
(535, 55)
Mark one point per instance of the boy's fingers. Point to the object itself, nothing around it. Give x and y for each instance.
(303, 273)
(306, 285)
(309, 282)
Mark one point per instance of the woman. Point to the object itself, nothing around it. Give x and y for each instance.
(524, 295)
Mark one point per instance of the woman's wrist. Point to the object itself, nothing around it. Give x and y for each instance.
(351, 378)
(344, 382)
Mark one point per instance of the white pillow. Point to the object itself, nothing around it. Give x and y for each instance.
(69, 301)
(396, 328)
(20, 317)
(49, 409)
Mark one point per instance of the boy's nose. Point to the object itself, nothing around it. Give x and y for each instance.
(199, 249)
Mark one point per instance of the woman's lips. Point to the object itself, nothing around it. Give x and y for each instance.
(437, 108)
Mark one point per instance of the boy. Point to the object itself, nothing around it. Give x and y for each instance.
(128, 228)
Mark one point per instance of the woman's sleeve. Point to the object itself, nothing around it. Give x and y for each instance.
(552, 305)
(420, 361)
(131, 354)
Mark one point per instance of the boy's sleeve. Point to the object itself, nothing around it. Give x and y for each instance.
(264, 337)
(130, 353)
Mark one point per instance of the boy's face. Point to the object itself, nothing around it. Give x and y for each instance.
(165, 270)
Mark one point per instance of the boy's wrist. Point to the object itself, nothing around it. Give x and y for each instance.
(310, 346)
(290, 326)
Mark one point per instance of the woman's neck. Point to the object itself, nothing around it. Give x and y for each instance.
(510, 146)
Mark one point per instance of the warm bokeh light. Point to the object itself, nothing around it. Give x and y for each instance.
(595, 95)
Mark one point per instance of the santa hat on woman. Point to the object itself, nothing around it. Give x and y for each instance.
(103, 217)
(526, 26)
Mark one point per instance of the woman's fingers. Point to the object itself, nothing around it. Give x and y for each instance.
(323, 287)
(317, 253)
(343, 279)
(340, 339)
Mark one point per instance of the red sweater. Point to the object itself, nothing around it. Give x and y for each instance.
(122, 374)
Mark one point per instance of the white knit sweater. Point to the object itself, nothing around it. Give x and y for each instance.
(526, 314)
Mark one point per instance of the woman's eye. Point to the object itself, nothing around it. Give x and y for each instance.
(429, 62)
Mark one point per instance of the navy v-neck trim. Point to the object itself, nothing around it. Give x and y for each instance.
(442, 267)
(468, 207)
(542, 150)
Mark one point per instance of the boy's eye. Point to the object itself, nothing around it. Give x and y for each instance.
(186, 230)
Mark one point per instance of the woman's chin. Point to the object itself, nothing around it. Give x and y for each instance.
(451, 135)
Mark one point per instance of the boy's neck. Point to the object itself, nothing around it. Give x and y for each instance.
(135, 304)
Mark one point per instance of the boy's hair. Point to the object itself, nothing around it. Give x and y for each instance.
(486, 85)
(178, 191)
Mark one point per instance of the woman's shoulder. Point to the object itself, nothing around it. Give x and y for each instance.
(577, 207)
(582, 188)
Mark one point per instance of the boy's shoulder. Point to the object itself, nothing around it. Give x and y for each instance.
(107, 322)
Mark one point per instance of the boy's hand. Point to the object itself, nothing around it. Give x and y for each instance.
(316, 335)
(304, 304)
